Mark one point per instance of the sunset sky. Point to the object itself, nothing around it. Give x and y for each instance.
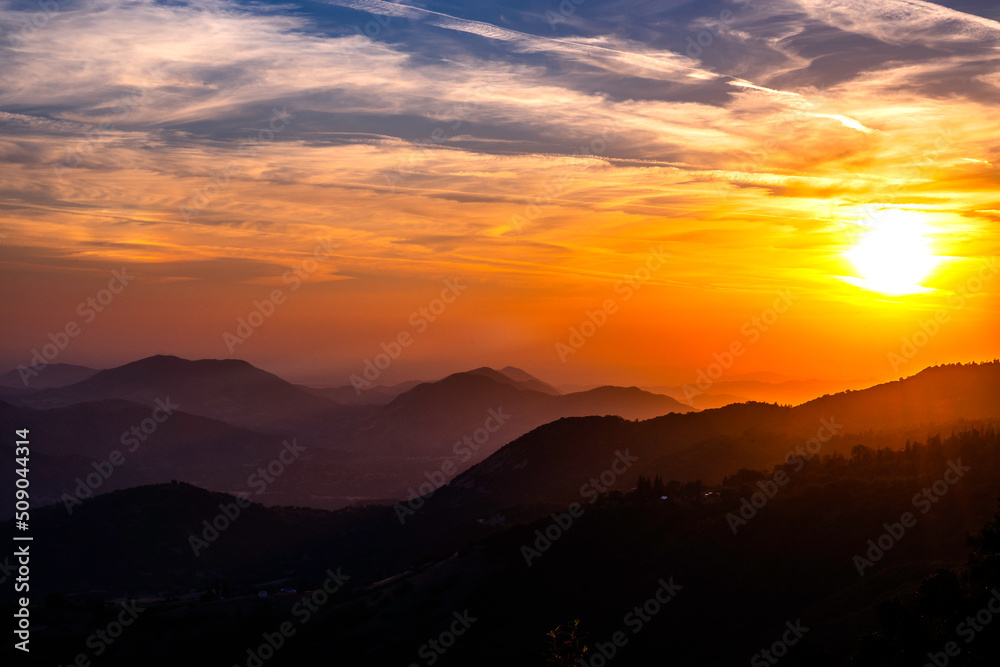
(355, 155)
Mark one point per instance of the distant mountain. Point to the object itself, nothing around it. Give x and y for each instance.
(529, 381)
(705, 445)
(709, 401)
(763, 387)
(432, 416)
(45, 377)
(229, 390)
(235, 414)
(356, 453)
(452, 424)
(72, 443)
(349, 395)
(384, 394)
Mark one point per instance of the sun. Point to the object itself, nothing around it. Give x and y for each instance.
(894, 255)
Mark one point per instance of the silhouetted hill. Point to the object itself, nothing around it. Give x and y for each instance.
(45, 377)
(932, 396)
(355, 453)
(760, 387)
(349, 395)
(136, 541)
(704, 445)
(228, 390)
(483, 388)
(189, 448)
(528, 381)
(450, 424)
(793, 562)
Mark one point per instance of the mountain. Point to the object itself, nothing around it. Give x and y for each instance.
(466, 398)
(934, 395)
(706, 445)
(229, 390)
(663, 576)
(610, 571)
(139, 540)
(383, 394)
(436, 430)
(95, 447)
(355, 453)
(529, 381)
(763, 387)
(349, 395)
(45, 377)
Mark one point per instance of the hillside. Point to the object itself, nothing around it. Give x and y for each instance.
(36, 378)
(230, 390)
(73, 443)
(794, 562)
(706, 445)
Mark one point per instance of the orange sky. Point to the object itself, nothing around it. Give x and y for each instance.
(751, 168)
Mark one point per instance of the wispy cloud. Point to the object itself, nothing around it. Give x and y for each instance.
(416, 146)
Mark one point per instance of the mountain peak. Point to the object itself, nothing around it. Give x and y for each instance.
(229, 390)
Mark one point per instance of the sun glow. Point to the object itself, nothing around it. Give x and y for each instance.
(894, 255)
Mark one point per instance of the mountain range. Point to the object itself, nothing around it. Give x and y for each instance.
(234, 416)
(502, 539)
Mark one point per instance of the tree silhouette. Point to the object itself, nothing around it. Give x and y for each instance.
(566, 645)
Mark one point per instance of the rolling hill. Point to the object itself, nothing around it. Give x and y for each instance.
(709, 444)
(36, 378)
(230, 390)
(77, 442)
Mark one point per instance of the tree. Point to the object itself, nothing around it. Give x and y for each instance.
(566, 645)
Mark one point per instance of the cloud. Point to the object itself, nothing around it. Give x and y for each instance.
(441, 128)
(906, 21)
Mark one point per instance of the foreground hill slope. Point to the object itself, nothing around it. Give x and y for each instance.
(793, 562)
(710, 444)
